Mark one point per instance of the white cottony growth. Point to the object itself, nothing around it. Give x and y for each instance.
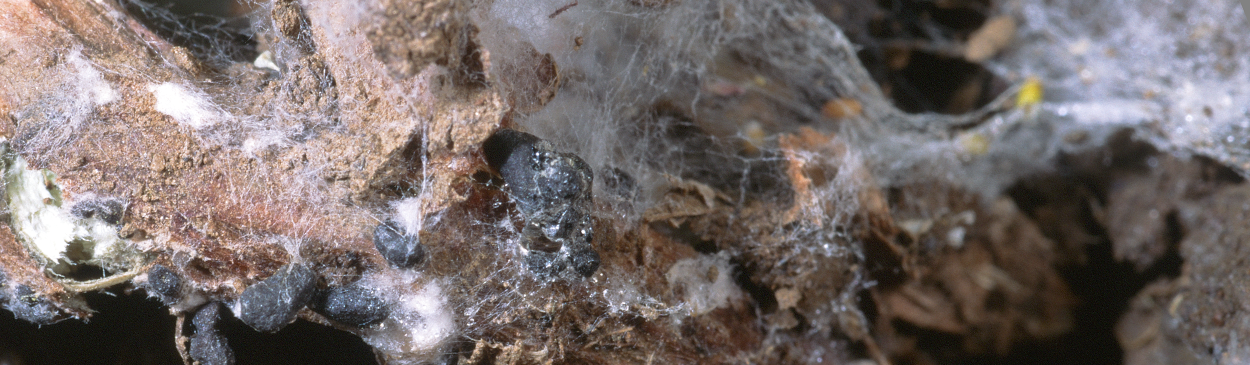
(419, 321)
(633, 98)
(1185, 60)
(37, 215)
(1113, 112)
(408, 214)
(69, 98)
(265, 61)
(429, 305)
(188, 108)
(533, 18)
(707, 282)
(90, 81)
(35, 205)
(101, 236)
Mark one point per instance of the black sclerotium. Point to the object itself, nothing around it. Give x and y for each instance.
(401, 250)
(544, 263)
(208, 346)
(351, 304)
(271, 304)
(585, 260)
(108, 210)
(164, 284)
(538, 176)
(552, 190)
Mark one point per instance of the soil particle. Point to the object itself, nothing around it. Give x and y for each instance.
(414, 34)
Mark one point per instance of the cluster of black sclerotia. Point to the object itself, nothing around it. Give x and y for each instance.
(270, 305)
(552, 191)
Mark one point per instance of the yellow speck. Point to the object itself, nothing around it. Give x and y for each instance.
(759, 80)
(974, 143)
(755, 135)
(1030, 93)
(1175, 304)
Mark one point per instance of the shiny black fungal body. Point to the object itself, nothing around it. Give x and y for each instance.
(585, 261)
(164, 284)
(401, 250)
(271, 304)
(208, 346)
(351, 304)
(552, 190)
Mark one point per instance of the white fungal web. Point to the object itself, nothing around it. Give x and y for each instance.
(1175, 71)
(78, 77)
(651, 92)
(655, 92)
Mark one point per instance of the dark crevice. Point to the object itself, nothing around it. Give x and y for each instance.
(471, 71)
(691, 152)
(1063, 205)
(127, 329)
(941, 347)
(301, 342)
(1102, 284)
(885, 261)
(907, 46)
(407, 170)
(1216, 172)
(1103, 287)
(217, 38)
(764, 297)
(934, 83)
(1169, 265)
(82, 272)
(684, 234)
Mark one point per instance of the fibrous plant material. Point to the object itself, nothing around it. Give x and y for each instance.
(503, 181)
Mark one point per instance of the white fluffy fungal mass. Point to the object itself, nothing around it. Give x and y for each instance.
(707, 283)
(185, 106)
(41, 218)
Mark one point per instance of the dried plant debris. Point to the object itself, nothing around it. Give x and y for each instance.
(422, 174)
